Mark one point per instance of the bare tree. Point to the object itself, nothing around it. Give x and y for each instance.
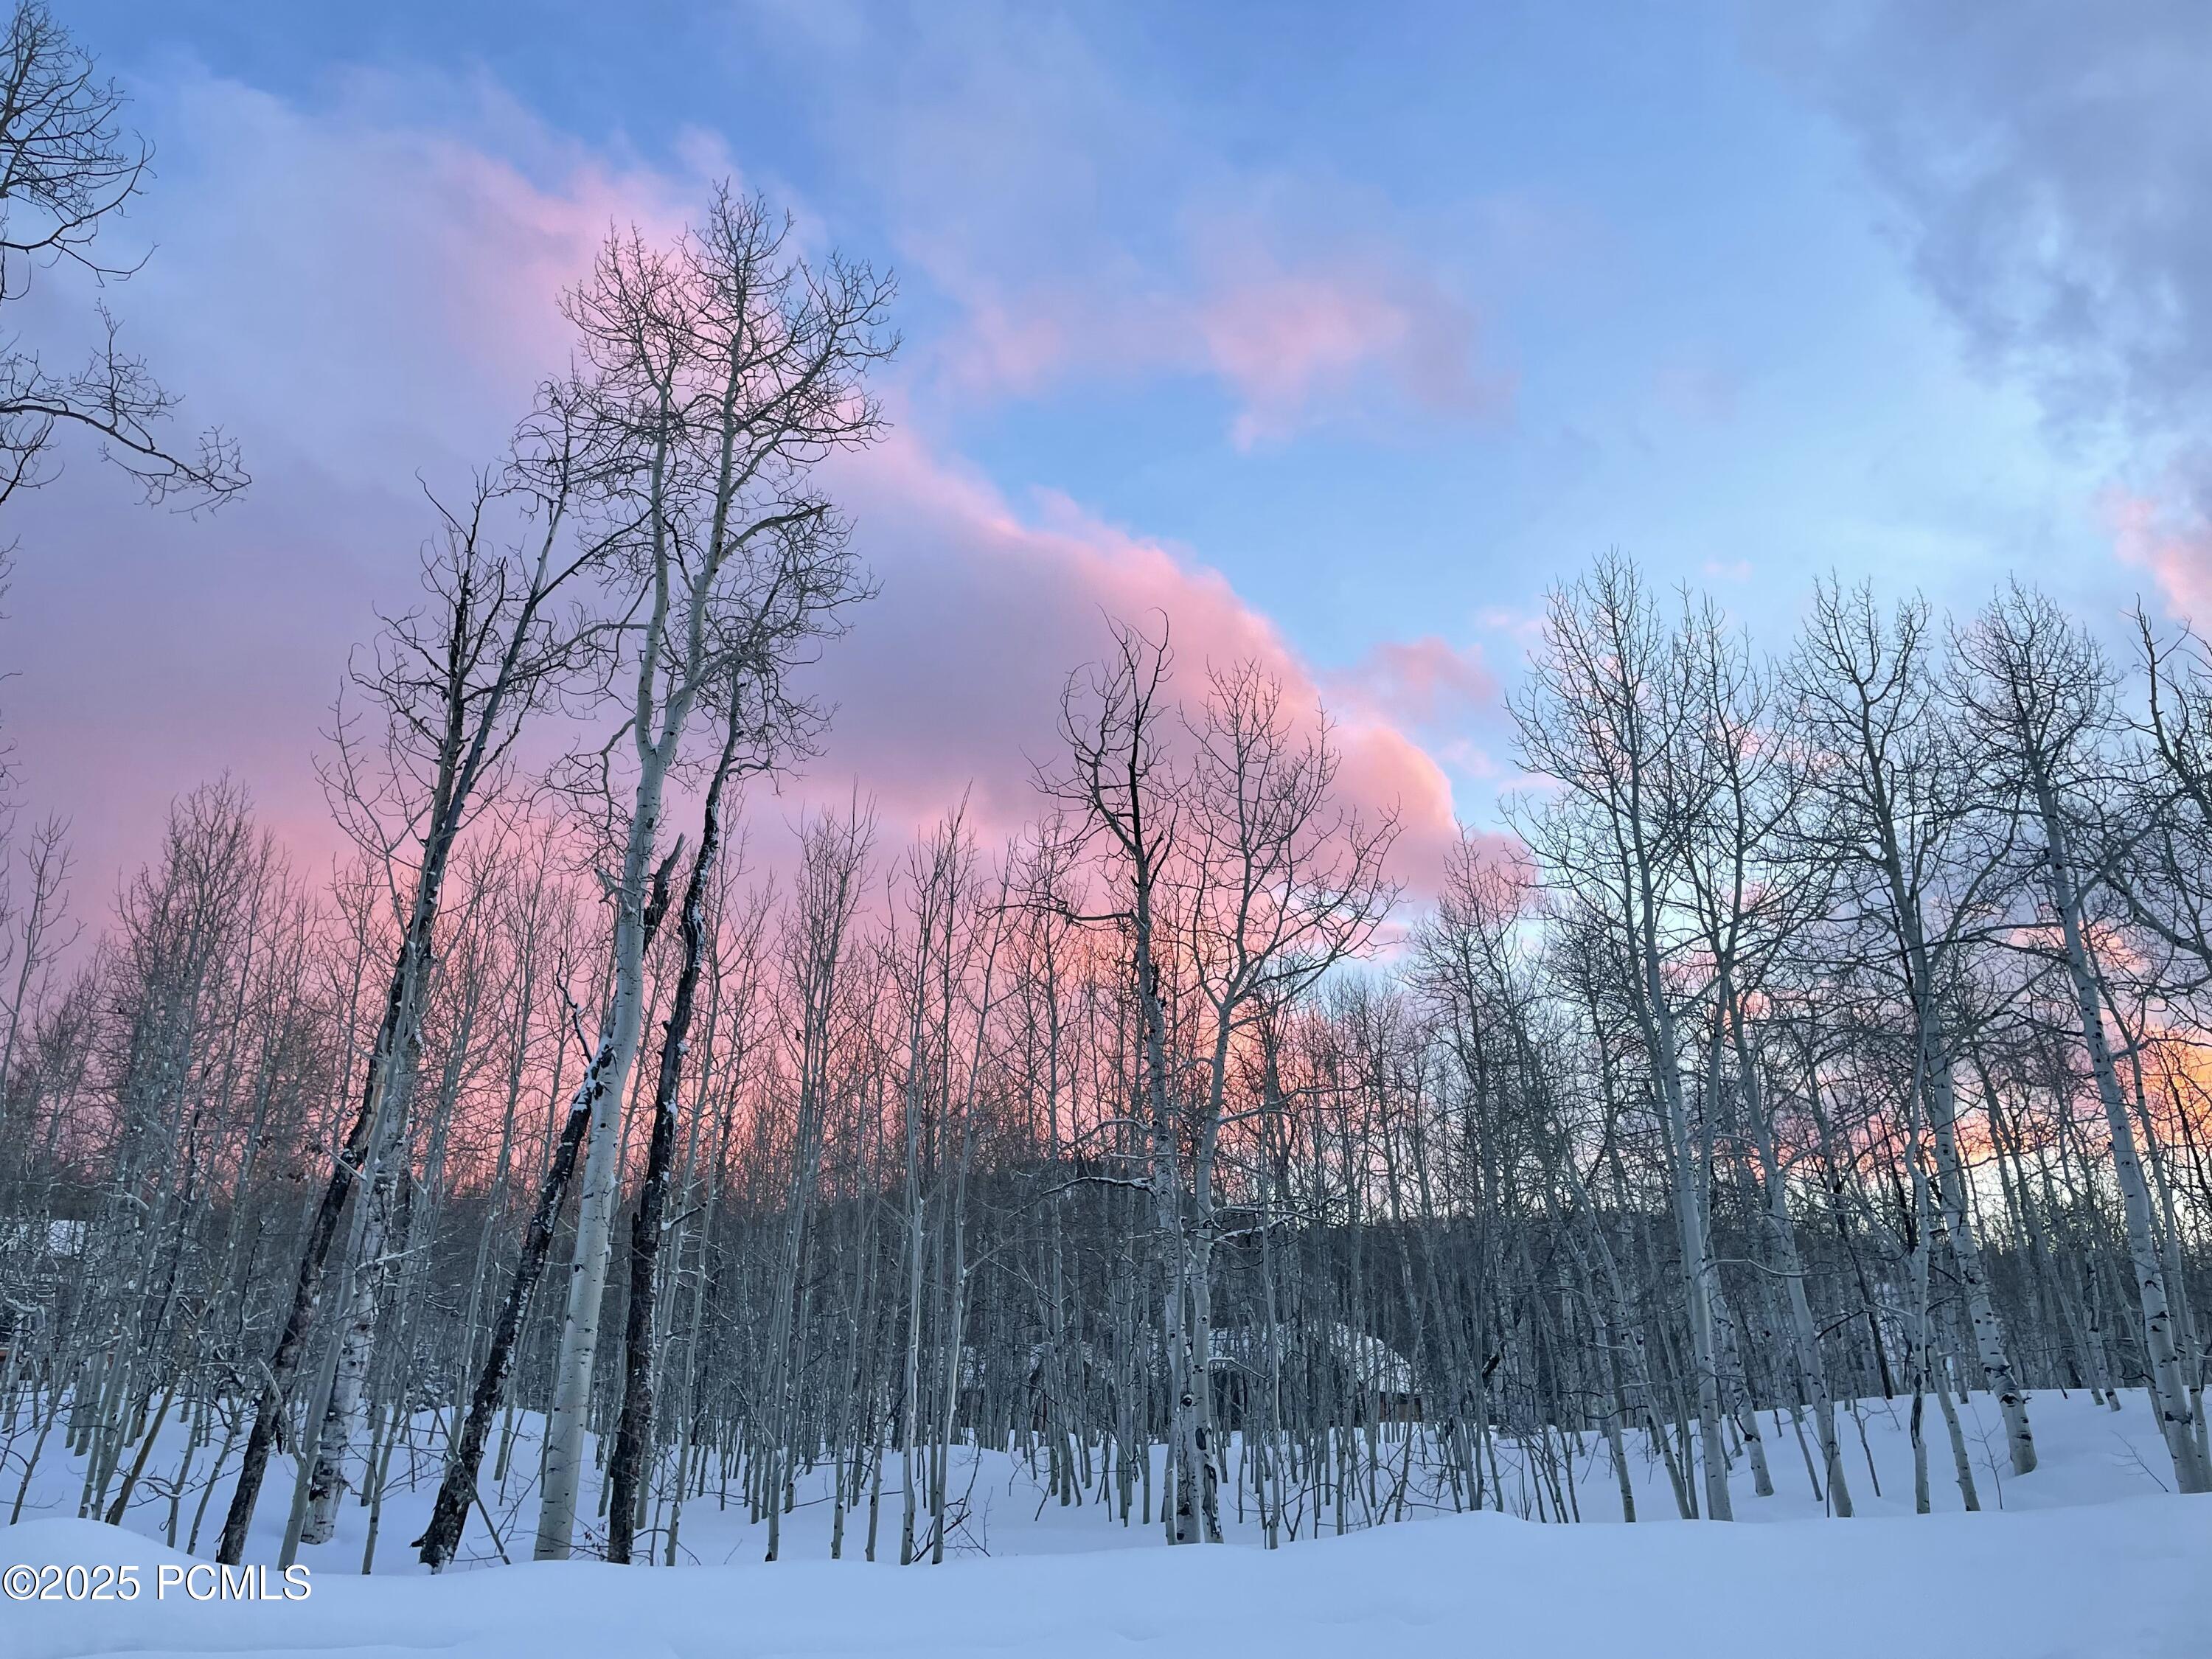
(724, 370)
(2037, 694)
(633, 1436)
(1609, 714)
(454, 684)
(1122, 794)
(1279, 884)
(67, 170)
(1894, 807)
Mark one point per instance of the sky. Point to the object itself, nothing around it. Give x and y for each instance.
(1336, 335)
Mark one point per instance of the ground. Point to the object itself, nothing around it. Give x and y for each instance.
(2086, 1556)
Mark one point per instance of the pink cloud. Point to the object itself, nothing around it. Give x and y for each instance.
(1006, 348)
(1419, 682)
(2172, 539)
(1114, 240)
(1291, 338)
(952, 679)
(366, 299)
(355, 276)
(1297, 343)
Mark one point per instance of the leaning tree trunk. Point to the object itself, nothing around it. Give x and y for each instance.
(633, 1436)
(356, 1345)
(459, 1489)
(450, 1513)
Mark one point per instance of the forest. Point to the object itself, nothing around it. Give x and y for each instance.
(601, 1141)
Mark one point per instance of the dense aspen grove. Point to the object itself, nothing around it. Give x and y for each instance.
(1826, 1025)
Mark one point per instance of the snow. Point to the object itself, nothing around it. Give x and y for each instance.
(2086, 1556)
(1370, 1362)
(64, 1238)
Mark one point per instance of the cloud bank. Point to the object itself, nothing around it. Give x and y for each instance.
(366, 292)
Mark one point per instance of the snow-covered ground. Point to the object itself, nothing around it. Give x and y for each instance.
(2086, 1556)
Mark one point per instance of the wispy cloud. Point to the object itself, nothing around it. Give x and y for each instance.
(1083, 232)
(2048, 166)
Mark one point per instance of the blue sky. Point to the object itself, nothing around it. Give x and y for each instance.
(1387, 317)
